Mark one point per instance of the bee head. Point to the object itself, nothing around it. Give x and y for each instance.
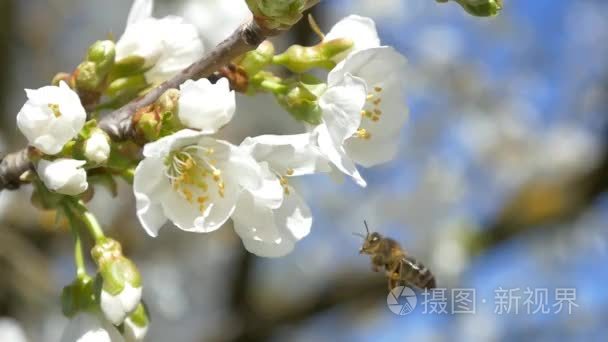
(371, 241)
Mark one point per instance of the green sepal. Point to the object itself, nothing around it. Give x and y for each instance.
(44, 199)
(78, 296)
(140, 316)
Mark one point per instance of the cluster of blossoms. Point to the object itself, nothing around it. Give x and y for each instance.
(187, 175)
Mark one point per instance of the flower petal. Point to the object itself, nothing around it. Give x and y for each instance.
(361, 30)
(161, 147)
(150, 184)
(341, 105)
(292, 155)
(140, 10)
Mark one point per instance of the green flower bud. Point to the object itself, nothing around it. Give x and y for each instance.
(481, 8)
(119, 281)
(87, 76)
(126, 86)
(300, 59)
(301, 102)
(78, 296)
(148, 125)
(256, 60)
(128, 66)
(277, 14)
(102, 53)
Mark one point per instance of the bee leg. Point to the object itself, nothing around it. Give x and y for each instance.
(376, 263)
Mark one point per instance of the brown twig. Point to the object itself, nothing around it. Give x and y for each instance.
(118, 124)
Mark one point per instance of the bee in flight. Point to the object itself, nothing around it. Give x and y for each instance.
(400, 268)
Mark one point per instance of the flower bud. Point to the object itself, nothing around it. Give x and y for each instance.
(126, 86)
(302, 103)
(254, 61)
(481, 8)
(121, 289)
(300, 59)
(136, 325)
(102, 53)
(277, 14)
(64, 176)
(97, 147)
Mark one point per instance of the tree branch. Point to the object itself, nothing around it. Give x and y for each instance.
(118, 124)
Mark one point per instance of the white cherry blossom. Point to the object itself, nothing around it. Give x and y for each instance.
(168, 45)
(51, 117)
(192, 180)
(385, 110)
(65, 176)
(382, 69)
(268, 227)
(205, 106)
(90, 327)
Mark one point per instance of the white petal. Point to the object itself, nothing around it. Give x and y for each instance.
(337, 155)
(341, 105)
(161, 147)
(270, 194)
(88, 327)
(112, 308)
(294, 215)
(295, 155)
(130, 297)
(181, 46)
(254, 223)
(374, 151)
(361, 30)
(149, 185)
(272, 233)
(140, 10)
(142, 39)
(204, 106)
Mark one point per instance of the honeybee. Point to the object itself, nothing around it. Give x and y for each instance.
(400, 268)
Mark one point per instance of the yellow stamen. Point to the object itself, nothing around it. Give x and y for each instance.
(363, 134)
(55, 109)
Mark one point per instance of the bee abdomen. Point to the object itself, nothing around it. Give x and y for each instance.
(417, 274)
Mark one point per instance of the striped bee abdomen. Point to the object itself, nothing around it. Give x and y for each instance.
(415, 273)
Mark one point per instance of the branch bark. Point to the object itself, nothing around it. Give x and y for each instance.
(118, 124)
